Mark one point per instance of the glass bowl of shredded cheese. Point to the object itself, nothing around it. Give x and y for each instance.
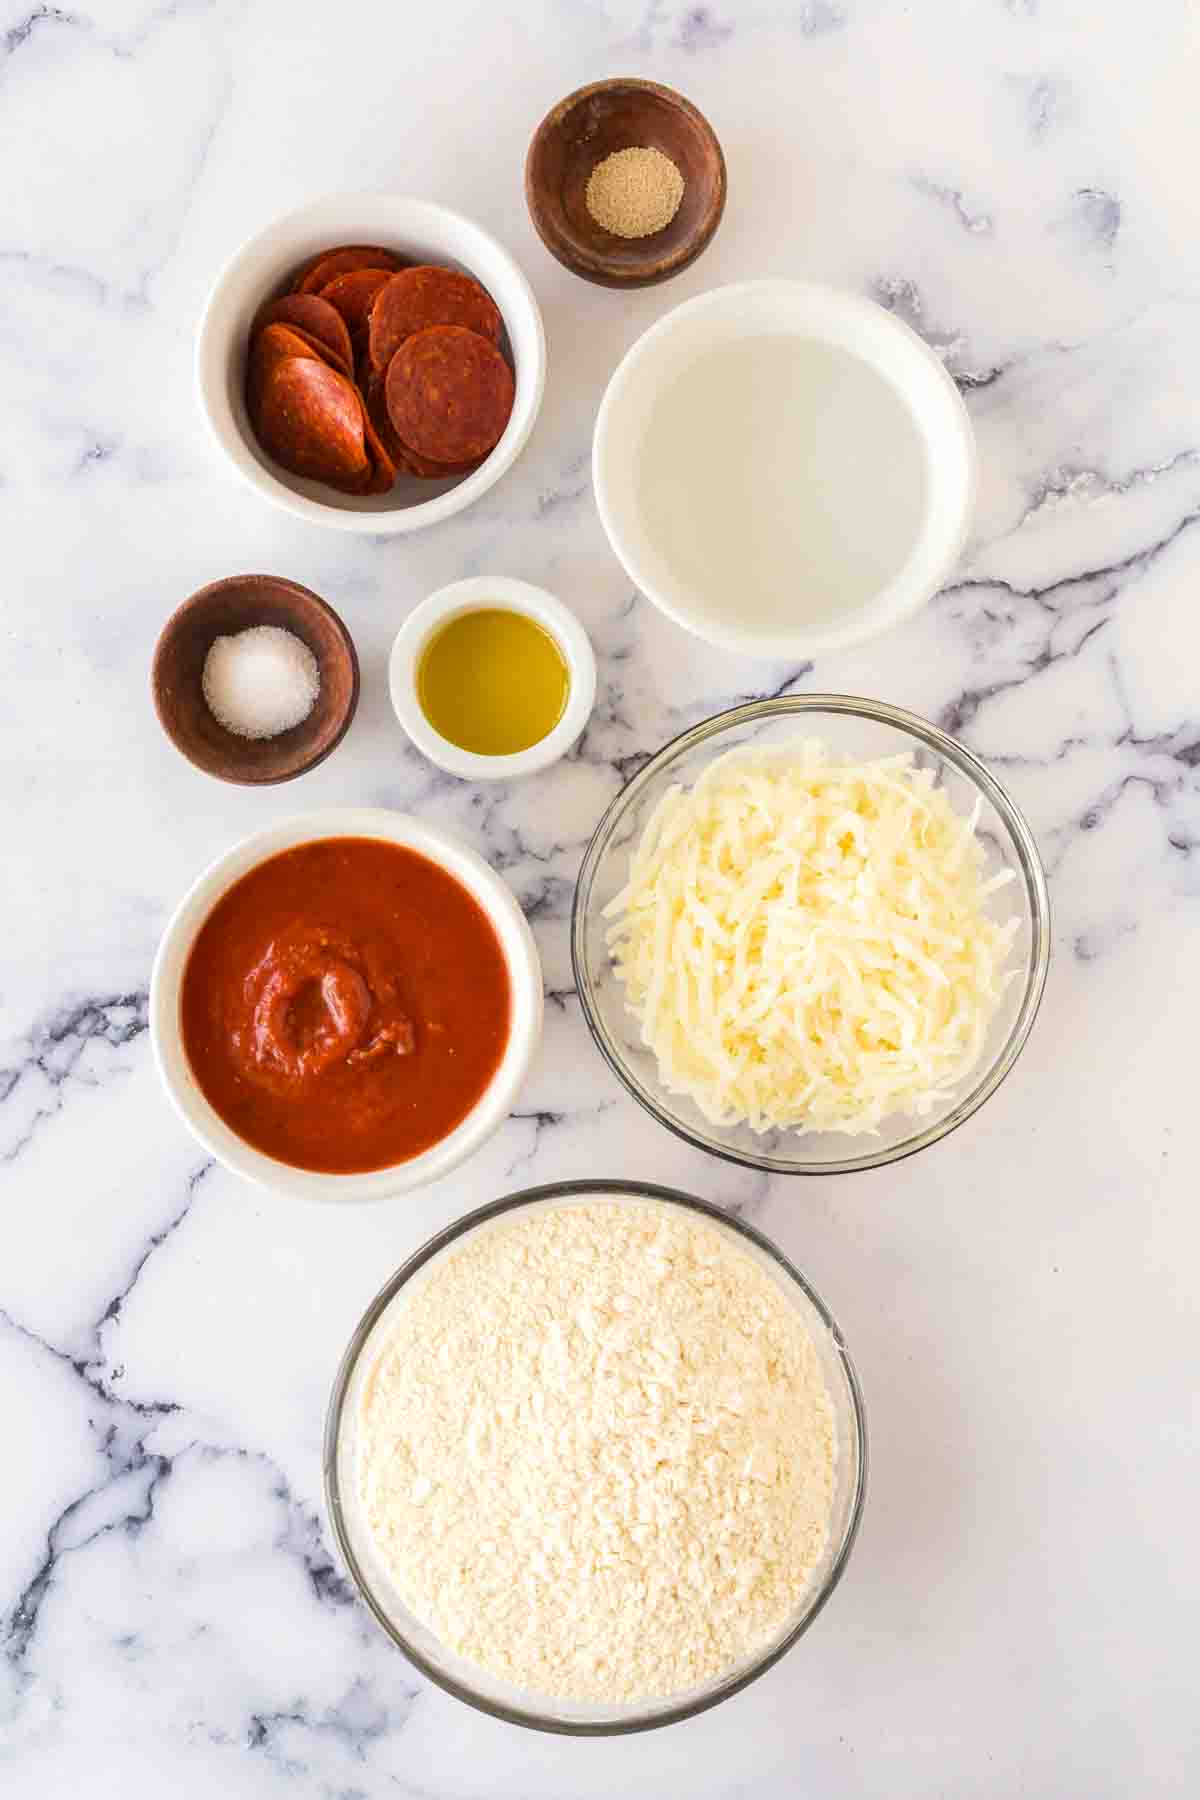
(811, 935)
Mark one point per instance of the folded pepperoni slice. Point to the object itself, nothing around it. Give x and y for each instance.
(298, 339)
(316, 317)
(275, 341)
(352, 296)
(310, 420)
(341, 261)
(275, 344)
(449, 394)
(375, 403)
(420, 297)
(383, 463)
(401, 454)
(332, 357)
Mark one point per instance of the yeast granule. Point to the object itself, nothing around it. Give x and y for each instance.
(634, 192)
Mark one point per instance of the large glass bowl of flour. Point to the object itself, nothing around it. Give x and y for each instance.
(462, 1391)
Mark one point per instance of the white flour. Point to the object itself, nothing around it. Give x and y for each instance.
(596, 1453)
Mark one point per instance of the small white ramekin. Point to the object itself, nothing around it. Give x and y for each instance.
(493, 1106)
(502, 592)
(732, 315)
(413, 228)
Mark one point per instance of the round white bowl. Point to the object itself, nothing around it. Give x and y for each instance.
(490, 1111)
(514, 596)
(731, 316)
(413, 228)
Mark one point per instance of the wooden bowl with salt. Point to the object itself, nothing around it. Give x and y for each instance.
(223, 609)
(576, 137)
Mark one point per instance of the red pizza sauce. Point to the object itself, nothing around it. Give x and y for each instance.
(345, 1005)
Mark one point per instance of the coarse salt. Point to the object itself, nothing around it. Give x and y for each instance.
(261, 682)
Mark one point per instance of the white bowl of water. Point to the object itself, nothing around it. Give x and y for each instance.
(784, 469)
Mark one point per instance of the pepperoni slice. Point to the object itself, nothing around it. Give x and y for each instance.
(310, 420)
(276, 341)
(402, 456)
(334, 360)
(383, 463)
(316, 318)
(417, 298)
(298, 340)
(436, 471)
(375, 402)
(342, 261)
(275, 344)
(352, 296)
(449, 394)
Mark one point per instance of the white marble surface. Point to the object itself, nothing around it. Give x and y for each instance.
(1017, 181)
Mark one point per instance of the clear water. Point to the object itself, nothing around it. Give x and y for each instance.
(782, 481)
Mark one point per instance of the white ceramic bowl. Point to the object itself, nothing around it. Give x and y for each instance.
(914, 391)
(415, 229)
(524, 972)
(514, 596)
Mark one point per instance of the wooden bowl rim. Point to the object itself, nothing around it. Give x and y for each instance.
(593, 265)
(309, 602)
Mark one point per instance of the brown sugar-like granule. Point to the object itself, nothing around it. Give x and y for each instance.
(634, 192)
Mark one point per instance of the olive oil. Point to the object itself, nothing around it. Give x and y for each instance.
(493, 682)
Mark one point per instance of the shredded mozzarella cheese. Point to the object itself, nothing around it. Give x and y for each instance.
(806, 942)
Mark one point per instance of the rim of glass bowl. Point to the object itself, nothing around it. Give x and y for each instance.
(544, 1721)
(968, 764)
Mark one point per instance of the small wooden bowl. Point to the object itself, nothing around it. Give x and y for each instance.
(224, 608)
(588, 126)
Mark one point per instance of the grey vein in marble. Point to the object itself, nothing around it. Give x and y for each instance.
(978, 223)
(59, 1052)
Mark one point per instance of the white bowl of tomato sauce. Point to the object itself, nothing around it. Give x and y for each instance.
(344, 1006)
